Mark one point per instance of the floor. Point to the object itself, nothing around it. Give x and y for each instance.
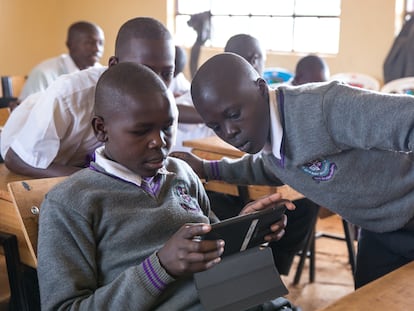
(333, 277)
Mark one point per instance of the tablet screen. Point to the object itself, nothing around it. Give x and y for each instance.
(245, 231)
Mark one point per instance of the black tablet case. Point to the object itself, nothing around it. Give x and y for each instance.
(240, 281)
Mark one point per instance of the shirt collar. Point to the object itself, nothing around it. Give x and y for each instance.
(276, 129)
(69, 63)
(120, 171)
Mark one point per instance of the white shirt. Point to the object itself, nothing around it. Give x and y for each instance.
(180, 85)
(186, 131)
(189, 131)
(276, 130)
(48, 71)
(120, 171)
(58, 128)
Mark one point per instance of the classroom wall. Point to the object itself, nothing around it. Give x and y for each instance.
(31, 31)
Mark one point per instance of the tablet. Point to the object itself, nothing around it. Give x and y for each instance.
(245, 231)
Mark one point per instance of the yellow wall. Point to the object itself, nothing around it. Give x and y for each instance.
(31, 31)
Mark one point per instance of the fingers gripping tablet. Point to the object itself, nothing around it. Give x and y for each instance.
(245, 231)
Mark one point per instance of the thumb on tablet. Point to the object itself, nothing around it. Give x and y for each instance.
(266, 202)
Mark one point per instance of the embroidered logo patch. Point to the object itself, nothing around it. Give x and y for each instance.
(320, 170)
(184, 198)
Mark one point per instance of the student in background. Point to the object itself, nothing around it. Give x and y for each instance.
(142, 254)
(53, 137)
(310, 68)
(180, 87)
(179, 84)
(337, 145)
(249, 48)
(85, 43)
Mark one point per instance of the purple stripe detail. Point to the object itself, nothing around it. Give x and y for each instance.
(214, 167)
(155, 274)
(281, 101)
(157, 186)
(148, 271)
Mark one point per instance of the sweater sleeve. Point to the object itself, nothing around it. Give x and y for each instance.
(362, 119)
(248, 170)
(68, 268)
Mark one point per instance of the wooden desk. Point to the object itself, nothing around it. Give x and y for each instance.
(213, 148)
(7, 176)
(9, 219)
(393, 291)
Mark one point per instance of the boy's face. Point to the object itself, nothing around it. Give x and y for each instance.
(87, 48)
(238, 113)
(139, 136)
(158, 55)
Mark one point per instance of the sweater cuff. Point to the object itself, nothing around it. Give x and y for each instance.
(154, 277)
(211, 169)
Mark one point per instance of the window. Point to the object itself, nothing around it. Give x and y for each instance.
(281, 25)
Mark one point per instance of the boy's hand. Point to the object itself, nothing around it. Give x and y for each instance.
(184, 254)
(278, 228)
(195, 162)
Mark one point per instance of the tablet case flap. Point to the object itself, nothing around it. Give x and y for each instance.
(240, 281)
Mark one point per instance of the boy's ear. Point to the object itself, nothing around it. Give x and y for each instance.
(113, 60)
(261, 83)
(98, 125)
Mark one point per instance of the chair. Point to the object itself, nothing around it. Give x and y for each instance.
(308, 250)
(400, 86)
(19, 226)
(276, 75)
(357, 79)
(12, 85)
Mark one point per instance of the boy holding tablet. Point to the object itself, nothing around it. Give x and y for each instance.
(126, 226)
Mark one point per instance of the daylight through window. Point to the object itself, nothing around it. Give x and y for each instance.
(310, 26)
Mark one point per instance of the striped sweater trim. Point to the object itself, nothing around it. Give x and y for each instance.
(214, 171)
(153, 275)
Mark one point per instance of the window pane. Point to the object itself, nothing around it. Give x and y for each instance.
(318, 7)
(223, 27)
(184, 34)
(314, 34)
(281, 25)
(257, 7)
(235, 7)
(280, 35)
(192, 6)
(272, 7)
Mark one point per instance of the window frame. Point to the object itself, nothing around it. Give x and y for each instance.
(293, 16)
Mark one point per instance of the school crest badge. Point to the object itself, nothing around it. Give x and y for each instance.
(320, 170)
(184, 198)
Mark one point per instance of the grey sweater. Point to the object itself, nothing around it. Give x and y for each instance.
(98, 237)
(344, 148)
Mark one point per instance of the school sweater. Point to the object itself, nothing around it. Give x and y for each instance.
(344, 148)
(99, 236)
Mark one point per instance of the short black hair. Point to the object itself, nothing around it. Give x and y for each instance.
(122, 80)
(141, 28)
(80, 28)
